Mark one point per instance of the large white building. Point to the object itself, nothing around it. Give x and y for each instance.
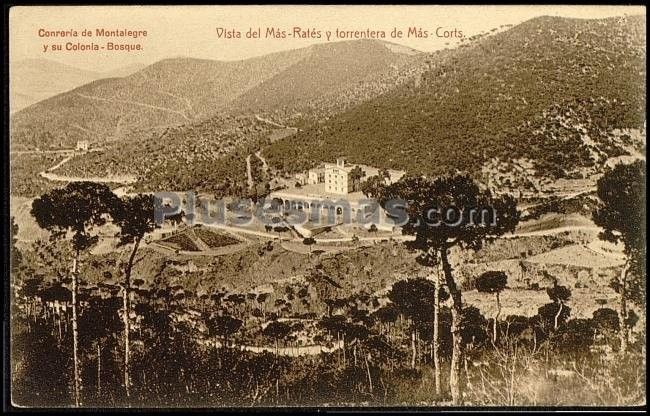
(82, 145)
(332, 195)
(340, 178)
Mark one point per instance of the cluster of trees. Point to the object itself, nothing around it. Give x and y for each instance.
(216, 150)
(622, 215)
(498, 98)
(75, 211)
(378, 348)
(424, 322)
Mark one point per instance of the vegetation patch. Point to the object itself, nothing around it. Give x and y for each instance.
(214, 239)
(180, 242)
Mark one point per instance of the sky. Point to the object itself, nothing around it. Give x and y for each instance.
(191, 31)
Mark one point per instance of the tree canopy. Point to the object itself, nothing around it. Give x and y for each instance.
(135, 217)
(77, 207)
(622, 215)
(491, 281)
(414, 298)
(451, 210)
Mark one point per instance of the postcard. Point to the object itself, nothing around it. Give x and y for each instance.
(318, 206)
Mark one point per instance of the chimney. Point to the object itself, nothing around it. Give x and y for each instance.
(340, 162)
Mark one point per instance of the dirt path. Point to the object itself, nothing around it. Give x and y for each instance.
(249, 174)
(184, 100)
(265, 165)
(61, 163)
(214, 252)
(565, 197)
(300, 248)
(267, 121)
(553, 231)
(245, 231)
(601, 247)
(85, 129)
(287, 131)
(117, 179)
(153, 107)
(283, 351)
(50, 176)
(38, 152)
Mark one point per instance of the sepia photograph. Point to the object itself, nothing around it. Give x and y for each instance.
(326, 207)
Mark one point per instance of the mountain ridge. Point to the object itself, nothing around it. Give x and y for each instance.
(36, 79)
(547, 90)
(171, 91)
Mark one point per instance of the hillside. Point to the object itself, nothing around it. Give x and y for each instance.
(333, 76)
(184, 91)
(208, 155)
(169, 92)
(549, 91)
(33, 80)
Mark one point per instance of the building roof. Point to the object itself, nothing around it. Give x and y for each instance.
(368, 170)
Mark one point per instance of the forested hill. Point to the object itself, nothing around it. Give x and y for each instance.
(332, 76)
(186, 91)
(550, 90)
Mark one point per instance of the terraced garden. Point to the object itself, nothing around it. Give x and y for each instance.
(213, 239)
(180, 242)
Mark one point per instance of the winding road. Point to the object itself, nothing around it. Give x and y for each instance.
(136, 103)
(258, 153)
(267, 121)
(265, 165)
(50, 176)
(281, 351)
(128, 179)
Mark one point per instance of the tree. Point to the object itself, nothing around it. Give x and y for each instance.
(492, 282)
(224, 326)
(335, 324)
(355, 175)
(621, 214)
(176, 219)
(436, 330)
(387, 315)
(309, 241)
(372, 187)
(16, 257)
(414, 299)
(606, 321)
(384, 174)
(442, 214)
(261, 300)
(55, 293)
(558, 294)
(280, 229)
(76, 209)
(135, 217)
(276, 330)
(326, 287)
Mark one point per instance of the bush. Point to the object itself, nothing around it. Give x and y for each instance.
(576, 335)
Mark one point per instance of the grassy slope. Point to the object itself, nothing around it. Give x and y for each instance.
(171, 91)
